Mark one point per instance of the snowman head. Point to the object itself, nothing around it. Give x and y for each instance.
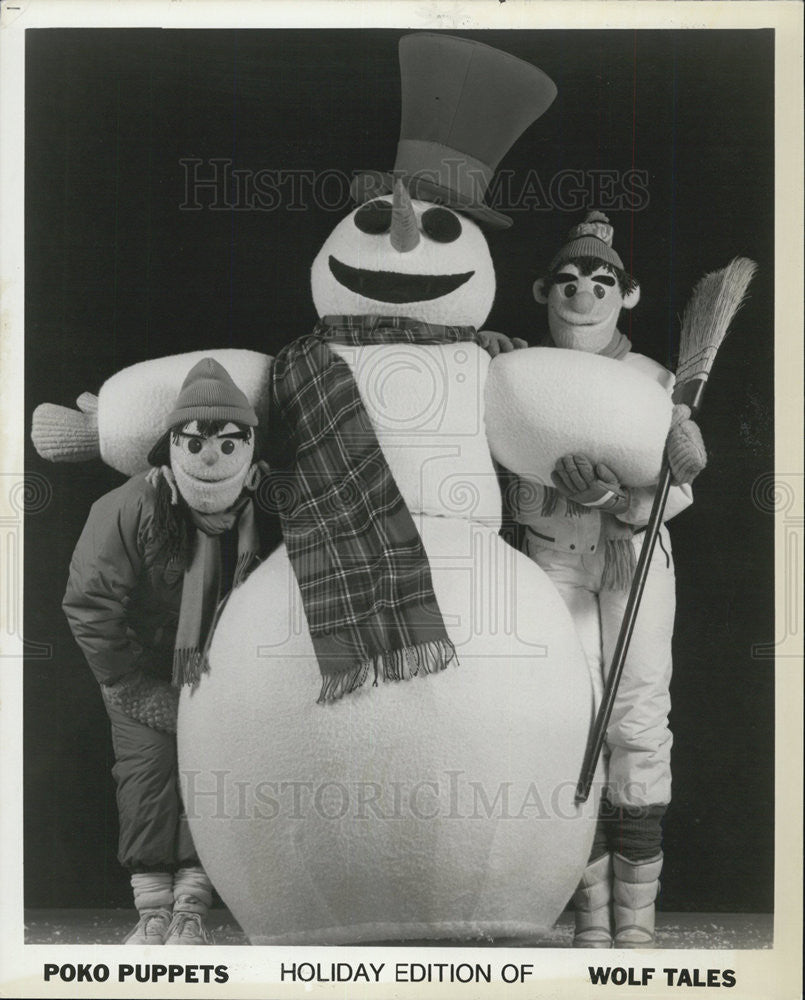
(396, 257)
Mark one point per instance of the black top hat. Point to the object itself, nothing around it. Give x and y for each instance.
(464, 105)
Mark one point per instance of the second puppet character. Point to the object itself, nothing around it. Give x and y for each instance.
(586, 532)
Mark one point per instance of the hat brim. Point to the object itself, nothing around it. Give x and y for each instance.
(373, 184)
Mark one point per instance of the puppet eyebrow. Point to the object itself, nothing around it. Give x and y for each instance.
(565, 276)
(218, 437)
(604, 279)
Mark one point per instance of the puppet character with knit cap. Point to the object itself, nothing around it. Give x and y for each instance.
(586, 532)
(155, 559)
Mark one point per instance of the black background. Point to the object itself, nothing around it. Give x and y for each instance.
(117, 273)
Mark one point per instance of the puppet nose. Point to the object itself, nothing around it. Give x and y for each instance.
(209, 453)
(582, 302)
(404, 234)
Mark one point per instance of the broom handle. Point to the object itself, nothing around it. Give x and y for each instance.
(596, 741)
(691, 394)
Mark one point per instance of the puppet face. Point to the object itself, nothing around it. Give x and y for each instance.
(583, 309)
(210, 468)
(442, 272)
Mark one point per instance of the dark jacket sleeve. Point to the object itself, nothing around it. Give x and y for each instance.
(104, 572)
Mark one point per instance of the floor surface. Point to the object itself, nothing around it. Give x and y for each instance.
(674, 930)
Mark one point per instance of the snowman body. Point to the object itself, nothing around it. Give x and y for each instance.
(436, 808)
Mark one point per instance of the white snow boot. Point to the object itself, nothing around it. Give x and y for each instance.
(153, 897)
(635, 890)
(192, 890)
(592, 901)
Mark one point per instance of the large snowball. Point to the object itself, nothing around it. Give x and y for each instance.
(543, 403)
(435, 808)
(134, 403)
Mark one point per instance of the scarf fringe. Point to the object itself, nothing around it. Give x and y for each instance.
(391, 665)
(620, 564)
(188, 667)
(189, 664)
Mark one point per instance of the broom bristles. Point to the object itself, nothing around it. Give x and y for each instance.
(707, 317)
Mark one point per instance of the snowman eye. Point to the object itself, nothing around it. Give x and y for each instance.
(441, 225)
(374, 217)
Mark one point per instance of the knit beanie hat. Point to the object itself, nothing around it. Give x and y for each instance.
(591, 238)
(208, 393)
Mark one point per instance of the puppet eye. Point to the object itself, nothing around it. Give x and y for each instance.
(441, 225)
(569, 291)
(194, 445)
(374, 217)
(228, 446)
(599, 292)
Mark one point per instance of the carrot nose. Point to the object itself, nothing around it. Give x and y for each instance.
(404, 234)
(582, 302)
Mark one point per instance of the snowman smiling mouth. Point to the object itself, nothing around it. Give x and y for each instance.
(394, 286)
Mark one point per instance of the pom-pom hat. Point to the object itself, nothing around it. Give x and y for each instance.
(591, 238)
(207, 393)
(464, 105)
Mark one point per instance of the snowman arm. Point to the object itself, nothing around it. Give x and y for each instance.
(128, 416)
(60, 434)
(642, 498)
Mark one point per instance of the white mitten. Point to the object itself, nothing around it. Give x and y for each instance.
(579, 480)
(686, 452)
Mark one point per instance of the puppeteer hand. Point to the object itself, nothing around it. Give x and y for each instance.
(145, 699)
(597, 486)
(498, 343)
(685, 448)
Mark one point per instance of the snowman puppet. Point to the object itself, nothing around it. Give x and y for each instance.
(387, 741)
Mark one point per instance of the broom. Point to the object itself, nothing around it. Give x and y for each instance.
(708, 314)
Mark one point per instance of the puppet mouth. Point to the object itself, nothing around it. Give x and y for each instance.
(211, 478)
(573, 319)
(393, 286)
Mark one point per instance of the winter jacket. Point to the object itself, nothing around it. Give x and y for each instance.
(123, 594)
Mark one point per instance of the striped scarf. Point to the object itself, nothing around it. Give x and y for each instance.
(358, 559)
(202, 605)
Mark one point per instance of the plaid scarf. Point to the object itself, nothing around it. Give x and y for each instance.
(358, 559)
